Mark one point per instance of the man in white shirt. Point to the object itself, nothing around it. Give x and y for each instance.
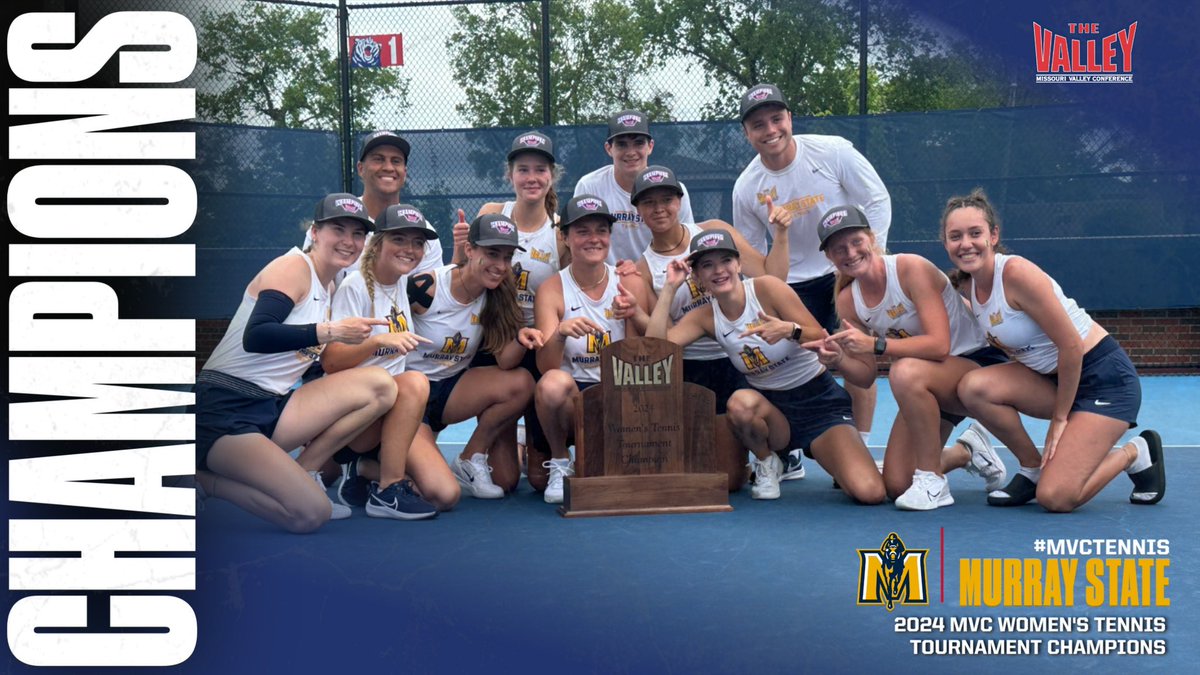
(806, 174)
(383, 168)
(630, 145)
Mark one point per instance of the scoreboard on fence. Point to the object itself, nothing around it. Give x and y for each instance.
(376, 51)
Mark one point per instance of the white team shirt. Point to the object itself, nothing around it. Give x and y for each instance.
(537, 263)
(827, 172)
(1016, 333)
(687, 298)
(895, 315)
(273, 372)
(391, 303)
(782, 366)
(453, 328)
(581, 356)
(629, 235)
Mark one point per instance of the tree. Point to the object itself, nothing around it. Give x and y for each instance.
(596, 49)
(267, 66)
(809, 48)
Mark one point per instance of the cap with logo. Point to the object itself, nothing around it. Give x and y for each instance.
(628, 122)
(532, 142)
(342, 205)
(582, 206)
(840, 218)
(384, 137)
(711, 240)
(399, 217)
(493, 229)
(760, 95)
(654, 176)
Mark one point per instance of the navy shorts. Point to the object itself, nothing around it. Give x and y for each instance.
(719, 375)
(812, 409)
(817, 296)
(985, 356)
(439, 395)
(230, 406)
(1109, 383)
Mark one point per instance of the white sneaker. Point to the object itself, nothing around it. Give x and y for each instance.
(340, 511)
(794, 469)
(927, 492)
(559, 469)
(475, 477)
(766, 478)
(984, 463)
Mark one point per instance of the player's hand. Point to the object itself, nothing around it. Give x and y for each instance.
(403, 342)
(627, 268)
(577, 327)
(854, 340)
(351, 330)
(625, 304)
(778, 216)
(771, 329)
(460, 231)
(530, 338)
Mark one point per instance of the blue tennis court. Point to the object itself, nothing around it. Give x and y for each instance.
(508, 586)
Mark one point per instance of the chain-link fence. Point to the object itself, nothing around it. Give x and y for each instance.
(274, 100)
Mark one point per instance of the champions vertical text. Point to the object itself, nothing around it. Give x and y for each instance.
(100, 573)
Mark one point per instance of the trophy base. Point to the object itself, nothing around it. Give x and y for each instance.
(645, 494)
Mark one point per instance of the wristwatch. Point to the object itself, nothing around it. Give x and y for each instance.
(880, 345)
(796, 332)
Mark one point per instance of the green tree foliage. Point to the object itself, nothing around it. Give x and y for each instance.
(604, 55)
(597, 51)
(268, 66)
(810, 49)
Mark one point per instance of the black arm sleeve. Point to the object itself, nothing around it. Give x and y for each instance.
(266, 332)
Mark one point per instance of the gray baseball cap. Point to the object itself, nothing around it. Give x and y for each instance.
(582, 206)
(404, 217)
(494, 229)
(628, 122)
(711, 240)
(840, 218)
(384, 137)
(654, 176)
(532, 141)
(342, 205)
(760, 95)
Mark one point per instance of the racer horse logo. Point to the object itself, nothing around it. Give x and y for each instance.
(366, 53)
(892, 574)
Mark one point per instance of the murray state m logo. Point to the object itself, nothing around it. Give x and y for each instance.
(598, 341)
(522, 277)
(397, 322)
(455, 344)
(892, 574)
(753, 357)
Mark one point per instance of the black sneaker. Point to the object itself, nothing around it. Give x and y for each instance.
(398, 501)
(793, 465)
(1020, 490)
(1150, 484)
(352, 488)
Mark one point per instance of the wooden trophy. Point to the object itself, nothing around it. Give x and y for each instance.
(644, 438)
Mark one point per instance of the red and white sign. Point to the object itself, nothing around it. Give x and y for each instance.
(376, 51)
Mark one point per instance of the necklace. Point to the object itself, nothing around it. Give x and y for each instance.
(603, 278)
(391, 294)
(672, 247)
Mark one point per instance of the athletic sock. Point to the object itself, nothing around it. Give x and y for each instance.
(1143, 456)
(1032, 473)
